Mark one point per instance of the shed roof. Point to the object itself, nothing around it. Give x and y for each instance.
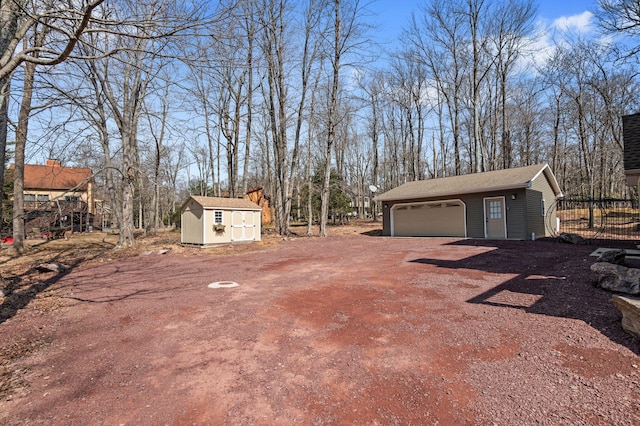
(496, 180)
(55, 177)
(224, 203)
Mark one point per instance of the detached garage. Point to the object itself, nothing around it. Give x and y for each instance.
(515, 203)
(213, 220)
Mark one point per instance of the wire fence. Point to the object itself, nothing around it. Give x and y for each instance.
(601, 220)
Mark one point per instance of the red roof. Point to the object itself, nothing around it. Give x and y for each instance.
(55, 177)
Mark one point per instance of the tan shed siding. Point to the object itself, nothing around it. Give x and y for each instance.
(210, 236)
(191, 226)
(214, 237)
(540, 189)
(257, 221)
(226, 221)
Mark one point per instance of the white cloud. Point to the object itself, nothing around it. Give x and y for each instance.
(577, 23)
(549, 36)
(540, 47)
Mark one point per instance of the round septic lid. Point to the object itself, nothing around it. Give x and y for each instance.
(223, 284)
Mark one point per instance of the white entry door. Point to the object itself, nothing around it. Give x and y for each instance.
(243, 226)
(495, 218)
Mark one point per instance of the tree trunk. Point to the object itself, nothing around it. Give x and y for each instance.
(247, 142)
(128, 188)
(8, 28)
(4, 111)
(18, 174)
(332, 119)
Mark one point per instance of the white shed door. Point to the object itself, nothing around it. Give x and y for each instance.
(243, 227)
(431, 219)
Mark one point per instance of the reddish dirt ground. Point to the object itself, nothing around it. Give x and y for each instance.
(351, 329)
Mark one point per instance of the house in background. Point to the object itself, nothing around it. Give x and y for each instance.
(58, 196)
(516, 203)
(53, 182)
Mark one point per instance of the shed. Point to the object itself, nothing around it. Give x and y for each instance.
(518, 203)
(214, 220)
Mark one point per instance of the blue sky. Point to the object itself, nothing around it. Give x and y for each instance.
(394, 14)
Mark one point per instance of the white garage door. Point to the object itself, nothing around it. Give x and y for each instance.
(430, 219)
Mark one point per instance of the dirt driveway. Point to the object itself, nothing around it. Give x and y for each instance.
(343, 330)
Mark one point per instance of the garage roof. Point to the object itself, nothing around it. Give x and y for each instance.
(224, 203)
(497, 180)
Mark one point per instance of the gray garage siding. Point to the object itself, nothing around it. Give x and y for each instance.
(540, 190)
(475, 215)
(515, 210)
(516, 216)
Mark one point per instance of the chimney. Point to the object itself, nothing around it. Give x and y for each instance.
(53, 163)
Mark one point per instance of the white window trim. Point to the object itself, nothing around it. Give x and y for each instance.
(215, 212)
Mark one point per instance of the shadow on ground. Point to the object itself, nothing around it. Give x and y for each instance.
(19, 290)
(373, 233)
(550, 279)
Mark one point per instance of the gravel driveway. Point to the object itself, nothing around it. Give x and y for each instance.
(342, 330)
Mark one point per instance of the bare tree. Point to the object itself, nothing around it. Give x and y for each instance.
(21, 140)
(158, 135)
(201, 89)
(279, 92)
(18, 18)
(346, 28)
(622, 17)
(438, 40)
(371, 88)
(513, 23)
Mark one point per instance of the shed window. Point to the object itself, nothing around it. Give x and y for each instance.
(29, 197)
(217, 217)
(43, 197)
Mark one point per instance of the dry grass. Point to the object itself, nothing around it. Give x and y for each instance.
(615, 223)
